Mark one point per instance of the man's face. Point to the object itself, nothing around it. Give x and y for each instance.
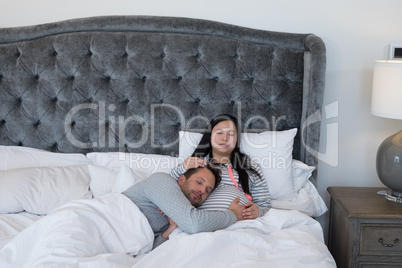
(198, 186)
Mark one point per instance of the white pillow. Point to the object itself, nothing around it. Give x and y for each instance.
(272, 150)
(39, 190)
(13, 157)
(307, 200)
(301, 174)
(111, 180)
(188, 142)
(115, 171)
(144, 163)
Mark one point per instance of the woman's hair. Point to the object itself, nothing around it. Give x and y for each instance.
(240, 162)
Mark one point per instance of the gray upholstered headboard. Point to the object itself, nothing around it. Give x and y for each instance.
(130, 83)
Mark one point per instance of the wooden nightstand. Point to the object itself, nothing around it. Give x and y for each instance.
(365, 229)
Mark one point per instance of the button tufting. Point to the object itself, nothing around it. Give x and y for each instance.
(251, 79)
(133, 70)
(20, 143)
(55, 145)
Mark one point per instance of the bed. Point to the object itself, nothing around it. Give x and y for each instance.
(91, 106)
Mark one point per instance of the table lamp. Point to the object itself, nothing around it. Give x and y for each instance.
(386, 102)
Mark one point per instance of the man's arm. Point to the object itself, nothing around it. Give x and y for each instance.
(167, 195)
(170, 229)
(163, 237)
(234, 207)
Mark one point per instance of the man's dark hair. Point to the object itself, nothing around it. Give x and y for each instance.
(215, 171)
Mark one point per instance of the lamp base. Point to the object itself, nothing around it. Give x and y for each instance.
(389, 164)
(396, 193)
(389, 196)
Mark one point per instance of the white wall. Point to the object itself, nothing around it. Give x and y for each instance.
(355, 32)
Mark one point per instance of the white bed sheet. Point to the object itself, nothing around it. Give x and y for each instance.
(100, 232)
(281, 238)
(13, 224)
(109, 230)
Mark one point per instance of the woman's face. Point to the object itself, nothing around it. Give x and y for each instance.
(224, 138)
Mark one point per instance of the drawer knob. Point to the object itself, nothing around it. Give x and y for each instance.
(396, 240)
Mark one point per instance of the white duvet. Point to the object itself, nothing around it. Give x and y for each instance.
(110, 231)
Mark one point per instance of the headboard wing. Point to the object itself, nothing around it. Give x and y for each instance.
(130, 83)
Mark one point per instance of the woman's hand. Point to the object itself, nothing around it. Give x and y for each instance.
(251, 211)
(193, 162)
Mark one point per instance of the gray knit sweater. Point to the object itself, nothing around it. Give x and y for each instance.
(162, 191)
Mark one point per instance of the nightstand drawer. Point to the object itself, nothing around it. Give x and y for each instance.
(381, 264)
(378, 239)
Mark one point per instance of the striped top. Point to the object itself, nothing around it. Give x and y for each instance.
(222, 197)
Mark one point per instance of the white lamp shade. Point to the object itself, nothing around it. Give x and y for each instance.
(386, 100)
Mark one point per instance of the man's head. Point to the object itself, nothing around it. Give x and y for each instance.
(197, 183)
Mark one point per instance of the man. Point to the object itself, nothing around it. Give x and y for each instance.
(178, 200)
(93, 231)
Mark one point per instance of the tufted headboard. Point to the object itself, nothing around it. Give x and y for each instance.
(130, 83)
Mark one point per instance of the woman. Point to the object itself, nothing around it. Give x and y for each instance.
(220, 146)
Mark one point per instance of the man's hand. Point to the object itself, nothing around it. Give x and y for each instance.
(170, 229)
(193, 162)
(237, 209)
(251, 212)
